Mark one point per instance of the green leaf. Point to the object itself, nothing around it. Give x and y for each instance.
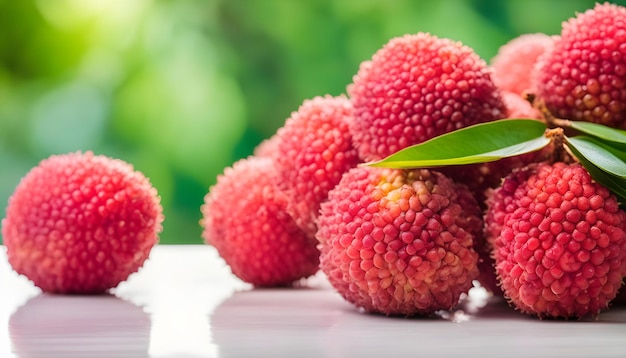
(599, 130)
(479, 143)
(616, 185)
(605, 157)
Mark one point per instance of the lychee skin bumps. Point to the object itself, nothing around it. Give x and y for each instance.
(314, 148)
(584, 76)
(561, 250)
(245, 219)
(81, 223)
(417, 87)
(392, 241)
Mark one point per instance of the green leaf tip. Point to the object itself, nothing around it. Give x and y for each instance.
(599, 131)
(608, 158)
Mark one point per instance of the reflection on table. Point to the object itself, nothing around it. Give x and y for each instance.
(186, 303)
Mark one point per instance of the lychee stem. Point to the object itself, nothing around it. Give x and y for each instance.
(540, 105)
(548, 117)
(556, 129)
(560, 122)
(530, 97)
(557, 137)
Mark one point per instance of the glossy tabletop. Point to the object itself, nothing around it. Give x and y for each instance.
(186, 303)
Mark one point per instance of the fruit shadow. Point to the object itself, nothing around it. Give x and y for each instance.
(497, 308)
(613, 314)
(79, 326)
(273, 320)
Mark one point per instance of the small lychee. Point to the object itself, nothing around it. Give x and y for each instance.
(417, 87)
(583, 77)
(81, 223)
(313, 149)
(516, 59)
(393, 241)
(245, 219)
(560, 244)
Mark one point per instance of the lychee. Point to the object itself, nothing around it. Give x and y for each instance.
(583, 77)
(560, 250)
(417, 87)
(81, 223)
(245, 219)
(314, 148)
(393, 241)
(516, 59)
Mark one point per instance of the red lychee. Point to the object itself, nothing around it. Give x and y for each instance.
(314, 148)
(561, 246)
(245, 219)
(393, 241)
(516, 59)
(417, 87)
(583, 77)
(81, 223)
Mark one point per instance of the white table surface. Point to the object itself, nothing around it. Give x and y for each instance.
(186, 303)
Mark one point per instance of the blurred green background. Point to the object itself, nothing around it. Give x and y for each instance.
(182, 89)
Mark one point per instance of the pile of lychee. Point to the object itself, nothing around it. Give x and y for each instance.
(537, 228)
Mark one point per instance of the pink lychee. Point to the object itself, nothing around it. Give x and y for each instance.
(245, 219)
(394, 242)
(516, 59)
(417, 87)
(313, 149)
(81, 223)
(561, 248)
(583, 77)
